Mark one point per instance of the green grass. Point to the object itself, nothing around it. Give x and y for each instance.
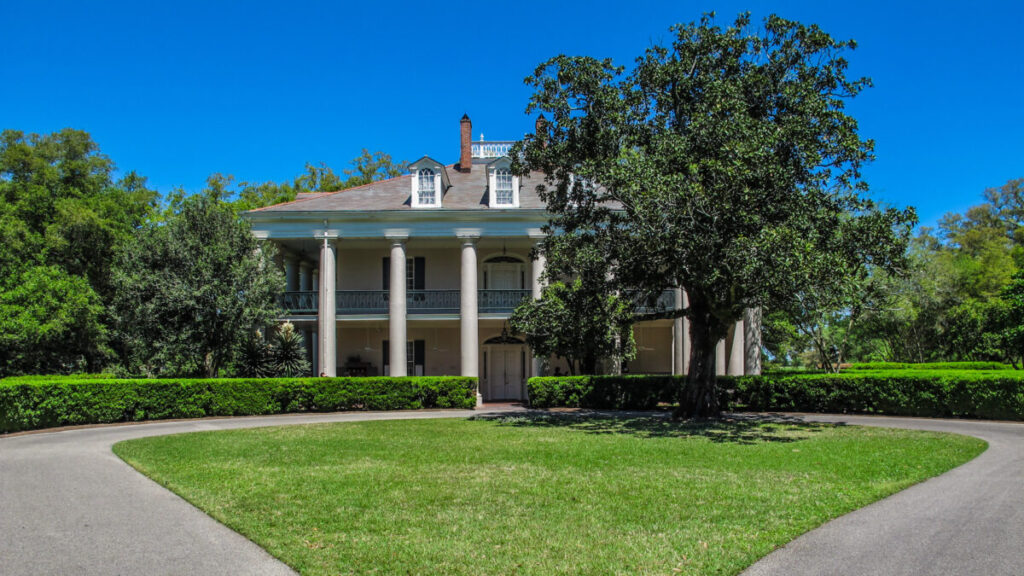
(539, 495)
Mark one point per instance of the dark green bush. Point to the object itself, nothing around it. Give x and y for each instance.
(929, 366)
(995, 394)
(44, 403)
(626, 392)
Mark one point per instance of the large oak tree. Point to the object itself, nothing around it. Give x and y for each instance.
(723, 162)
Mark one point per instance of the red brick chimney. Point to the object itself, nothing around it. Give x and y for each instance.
(466, 148)
(539, 131)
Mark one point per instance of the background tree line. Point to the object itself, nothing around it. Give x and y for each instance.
(100, 273)
(961, 297)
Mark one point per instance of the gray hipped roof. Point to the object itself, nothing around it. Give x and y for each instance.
(468, 191)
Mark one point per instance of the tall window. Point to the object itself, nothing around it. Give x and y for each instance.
(426, 191)
(503, 187)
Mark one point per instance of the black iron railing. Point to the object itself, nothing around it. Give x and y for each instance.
(497, 301)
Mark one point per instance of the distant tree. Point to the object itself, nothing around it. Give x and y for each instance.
(372, 166)
(191, 289)
(63, 219)
(50, 323)
(1013, 319)
(724, 163)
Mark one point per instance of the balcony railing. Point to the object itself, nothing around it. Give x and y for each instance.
(300, 302)
(497, 301)
(434, 301)
(666, 301)
(348, 302)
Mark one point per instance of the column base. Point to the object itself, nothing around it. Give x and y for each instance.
(479, 400)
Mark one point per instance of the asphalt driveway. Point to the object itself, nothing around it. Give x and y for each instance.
(69, 506)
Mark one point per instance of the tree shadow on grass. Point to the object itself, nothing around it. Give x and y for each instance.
(733, 429)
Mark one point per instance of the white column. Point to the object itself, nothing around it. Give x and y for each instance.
(720, 358)
(678, 337)
(536, 269)
(305, 280)
(291, 273)
(469, 317)
(734, 349)
(396, 309)
(327, 311)
(752, 341)
(316, 355)
(687, 350)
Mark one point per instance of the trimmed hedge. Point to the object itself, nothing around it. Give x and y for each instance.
(929, 366)
(626, 392)
(994, 394)
(29, 405)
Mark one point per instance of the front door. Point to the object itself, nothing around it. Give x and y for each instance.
(506, 369)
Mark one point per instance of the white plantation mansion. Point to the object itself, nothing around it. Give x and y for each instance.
(417, 275)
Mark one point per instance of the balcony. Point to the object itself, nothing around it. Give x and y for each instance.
(666, 301)
(353, 302)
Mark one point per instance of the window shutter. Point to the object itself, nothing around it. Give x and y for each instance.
(387, 354)
(420, 271)
(419, 351)
(386, 282)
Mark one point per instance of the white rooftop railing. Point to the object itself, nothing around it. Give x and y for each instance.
(491, 149)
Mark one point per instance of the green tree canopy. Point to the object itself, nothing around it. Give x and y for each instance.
(191, 289)
(723, 162)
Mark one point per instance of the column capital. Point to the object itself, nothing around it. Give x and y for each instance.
(468, 238)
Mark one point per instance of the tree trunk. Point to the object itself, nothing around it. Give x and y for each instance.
(699, 398)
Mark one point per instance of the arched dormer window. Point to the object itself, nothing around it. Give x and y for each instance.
(502, 184)
(429, 181)
(426, 192)
(503, 187)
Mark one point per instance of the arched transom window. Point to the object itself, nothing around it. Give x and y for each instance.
(503, 187)
(427, 194)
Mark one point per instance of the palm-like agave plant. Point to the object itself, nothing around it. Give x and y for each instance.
(254, 360)
(289, 353)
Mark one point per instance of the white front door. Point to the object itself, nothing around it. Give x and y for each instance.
(506, 369)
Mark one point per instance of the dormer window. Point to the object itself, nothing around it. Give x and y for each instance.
(503, 187)
(429, 183)
(502, 184)
(426, 192)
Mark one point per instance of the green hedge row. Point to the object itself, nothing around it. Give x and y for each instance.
(936, 393)
(626, 392)
(60, 402)
(994, 394)
(929, 366)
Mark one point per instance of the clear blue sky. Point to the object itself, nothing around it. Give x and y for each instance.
(179, 90)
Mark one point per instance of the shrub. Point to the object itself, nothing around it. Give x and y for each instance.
(626, 392)
(46, 402)
(996, 394)
(929, 366)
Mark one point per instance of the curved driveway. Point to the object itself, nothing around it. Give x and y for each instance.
(69, 506)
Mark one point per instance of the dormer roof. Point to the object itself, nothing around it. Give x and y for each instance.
(428, 162)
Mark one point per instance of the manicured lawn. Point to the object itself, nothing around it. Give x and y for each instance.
(546, 495)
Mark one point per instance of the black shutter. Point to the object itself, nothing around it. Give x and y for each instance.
(386, 281)
(419, 351)
(419, 273)
(387, 355)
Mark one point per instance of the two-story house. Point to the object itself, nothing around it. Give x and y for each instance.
(417, 275)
